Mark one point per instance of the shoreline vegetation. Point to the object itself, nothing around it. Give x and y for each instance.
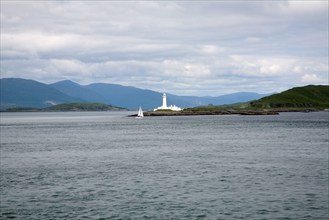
(234, 109)
(69, 107)
(228, 112)
(205, 110)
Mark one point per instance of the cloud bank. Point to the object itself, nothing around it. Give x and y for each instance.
(185, 48)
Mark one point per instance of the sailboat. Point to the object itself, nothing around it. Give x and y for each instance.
(140, 113)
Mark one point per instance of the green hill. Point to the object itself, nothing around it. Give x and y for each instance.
(82, 107)
(295, 99)
(299, 97)
(68, 107)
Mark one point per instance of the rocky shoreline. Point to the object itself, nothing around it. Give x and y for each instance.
(218, 112)
(227, 112)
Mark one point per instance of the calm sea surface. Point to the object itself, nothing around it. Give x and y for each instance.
(107, 166)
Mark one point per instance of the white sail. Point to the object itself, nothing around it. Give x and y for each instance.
(140, 113)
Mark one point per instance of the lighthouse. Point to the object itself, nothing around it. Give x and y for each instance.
(164, 101)
(165, 107)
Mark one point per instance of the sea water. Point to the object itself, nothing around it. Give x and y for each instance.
(104, 165)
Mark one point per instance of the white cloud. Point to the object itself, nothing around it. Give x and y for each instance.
(211, 49)
(303, 7)
(36, 42)
(196, 70)
(261, 66)
(253, 40)
(69, 66)
(310, 78)
(177, 68)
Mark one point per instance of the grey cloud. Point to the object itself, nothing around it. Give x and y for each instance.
(183, 47)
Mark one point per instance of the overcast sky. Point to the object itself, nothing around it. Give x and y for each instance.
(181, 47)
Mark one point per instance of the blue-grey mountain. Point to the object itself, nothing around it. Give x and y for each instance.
(29, 93)
(17, 92)
(73, 89)
(132, 97)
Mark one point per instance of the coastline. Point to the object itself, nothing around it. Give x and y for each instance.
(194, 113)
(224, 112)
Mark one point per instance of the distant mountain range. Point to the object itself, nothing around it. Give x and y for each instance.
(16, 92)
(30, 93)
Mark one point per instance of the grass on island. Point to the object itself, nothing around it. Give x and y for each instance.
(81, 107)
(212, 108)
(299, 97)
(164, 110)
(295, 99)
(70, 107)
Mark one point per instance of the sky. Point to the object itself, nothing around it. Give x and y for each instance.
(203, 48)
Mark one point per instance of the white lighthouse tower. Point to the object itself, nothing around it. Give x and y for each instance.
(165, 107)
(164, 101)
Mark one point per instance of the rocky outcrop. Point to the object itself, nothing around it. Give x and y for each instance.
(218, 112)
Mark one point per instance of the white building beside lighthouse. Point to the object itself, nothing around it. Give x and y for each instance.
(165, 107)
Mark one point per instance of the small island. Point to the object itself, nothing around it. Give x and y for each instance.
(209, 111)
(299, 99)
